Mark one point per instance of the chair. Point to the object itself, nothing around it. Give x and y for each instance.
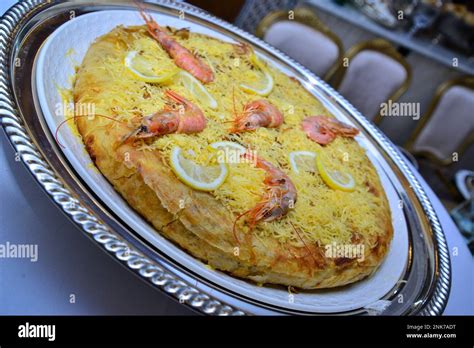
(301, 35)
(372, 73)
(447, 128)
(254, 10)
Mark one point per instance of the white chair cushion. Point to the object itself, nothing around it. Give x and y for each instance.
(308, 46)
(370, 79)
(450, 123)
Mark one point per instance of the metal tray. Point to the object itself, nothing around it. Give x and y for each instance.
(424, 288)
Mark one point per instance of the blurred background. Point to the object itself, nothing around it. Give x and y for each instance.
(407, 65)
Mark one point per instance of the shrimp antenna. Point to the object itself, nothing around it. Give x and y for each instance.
(235, 224)
(234, 110)
(63, 122)
(233, 100)
(127, 137)
(302, 240)
(143, 11)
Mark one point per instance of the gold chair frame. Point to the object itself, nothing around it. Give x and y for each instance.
(384, 47)
(306, 16)
(465, 81)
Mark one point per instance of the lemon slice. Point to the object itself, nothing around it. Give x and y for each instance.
(228, 151)
(142, 68)
(228, 145)
(335, 179)
(267, 79)
(203, 178)
(303, 161)
(197, 89)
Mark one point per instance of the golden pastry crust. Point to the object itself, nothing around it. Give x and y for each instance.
(204, 225)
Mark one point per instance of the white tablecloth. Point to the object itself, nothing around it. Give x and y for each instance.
(70, 264)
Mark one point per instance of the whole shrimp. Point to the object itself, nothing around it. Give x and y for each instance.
(257, 113)
(279, 196)
(182, 57)
(323, 130)
(187, 118)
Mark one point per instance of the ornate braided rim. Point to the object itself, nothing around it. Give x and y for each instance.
(125, 252)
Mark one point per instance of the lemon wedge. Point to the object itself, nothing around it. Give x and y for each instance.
(303, 161)
(228, 151)
(144, 70)
(335, 179)
(267, 83)
(199, 177)
(197, 89)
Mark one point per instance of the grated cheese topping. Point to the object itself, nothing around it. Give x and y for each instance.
(322, 215)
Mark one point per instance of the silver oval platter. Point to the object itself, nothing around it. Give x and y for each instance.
(416, 270)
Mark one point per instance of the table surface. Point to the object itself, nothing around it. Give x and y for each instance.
(418, 44)
(70, 264)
